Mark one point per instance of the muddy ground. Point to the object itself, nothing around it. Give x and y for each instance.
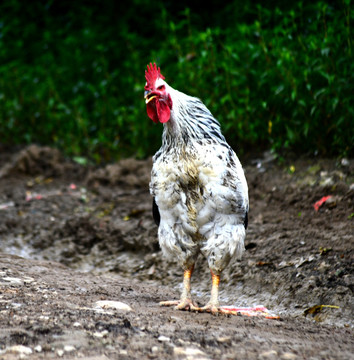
(74, 235)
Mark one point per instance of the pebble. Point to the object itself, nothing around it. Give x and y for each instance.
(288, 356)
(13, 280)
(162, 338)
(69, 348)
(271, 354)
(189, 352)
(100, 334)
(155, 349)
(28, 280)
(109, 304)
(38, 348)
(76, 324)
(20, 349)
(225, 339)
(60, 352)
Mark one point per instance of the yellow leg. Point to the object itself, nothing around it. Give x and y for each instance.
(213, 304)
(186, 293)
(185, 303)
(215, 280)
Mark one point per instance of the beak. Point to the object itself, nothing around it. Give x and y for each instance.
(147, 96)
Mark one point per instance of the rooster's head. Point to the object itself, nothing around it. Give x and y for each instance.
(157, 98)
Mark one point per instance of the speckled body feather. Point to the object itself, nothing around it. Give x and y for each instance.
(199, 187)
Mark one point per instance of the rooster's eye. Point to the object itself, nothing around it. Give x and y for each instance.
(161, 87)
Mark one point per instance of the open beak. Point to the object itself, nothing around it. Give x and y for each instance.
(148, 97)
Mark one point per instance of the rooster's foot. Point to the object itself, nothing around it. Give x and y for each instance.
(183, 304)
(211, 308)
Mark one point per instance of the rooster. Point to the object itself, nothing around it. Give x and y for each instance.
(199, 190)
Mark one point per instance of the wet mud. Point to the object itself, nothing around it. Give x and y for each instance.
(74, 235)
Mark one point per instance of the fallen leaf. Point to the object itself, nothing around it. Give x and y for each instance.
(316, 310)
(320, 202)
(263, 263)
(136, 212)
(324, 251)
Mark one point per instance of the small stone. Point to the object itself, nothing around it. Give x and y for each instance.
(288, 356)
(76, 324)
(60, 352)
(38, 348)
(100, 334)
(225, 339)
(69, 348)
(162, 338)
(28, 280)
(179, 351)
(123, 352)
(117, 305)
(13, 281)
(155, 349)
(194, 352)
(271, 354)
(20, 349)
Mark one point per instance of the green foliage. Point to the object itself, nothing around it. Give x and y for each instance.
(72, 76)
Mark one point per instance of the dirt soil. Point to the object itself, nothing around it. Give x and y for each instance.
(73, 236)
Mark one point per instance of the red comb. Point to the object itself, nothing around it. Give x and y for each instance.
(151, 75)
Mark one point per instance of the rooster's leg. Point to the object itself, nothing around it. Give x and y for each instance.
(213, 304)
(185, 302)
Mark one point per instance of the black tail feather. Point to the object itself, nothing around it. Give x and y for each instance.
(155, 212)
(245, 221)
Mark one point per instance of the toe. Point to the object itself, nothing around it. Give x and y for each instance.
(187, 304)
(211, 308)
(169, 303)
(183, 304)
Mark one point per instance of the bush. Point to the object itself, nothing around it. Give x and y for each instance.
(73, 76)
(283, 80)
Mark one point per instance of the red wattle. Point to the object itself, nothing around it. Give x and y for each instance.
(163, 111)
(152, 114)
